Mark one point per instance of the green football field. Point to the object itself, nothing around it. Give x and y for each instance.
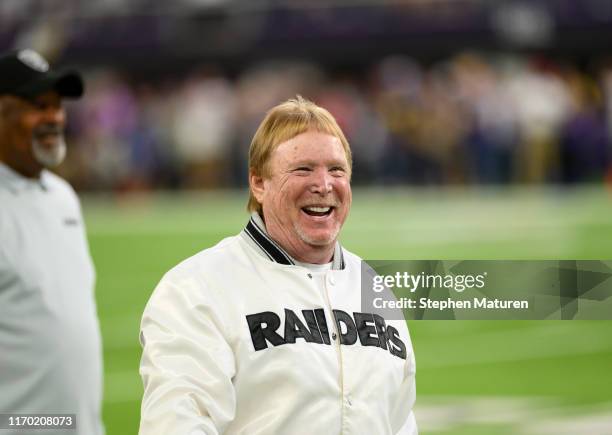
(473, 377)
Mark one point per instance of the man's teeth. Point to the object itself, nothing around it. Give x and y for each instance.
(318, 209)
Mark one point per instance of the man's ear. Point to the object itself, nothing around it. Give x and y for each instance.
(256, 182)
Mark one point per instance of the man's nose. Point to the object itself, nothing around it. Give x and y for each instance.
(322, 182)
(54, 115)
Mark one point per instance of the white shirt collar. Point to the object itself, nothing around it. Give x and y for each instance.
(18, 183)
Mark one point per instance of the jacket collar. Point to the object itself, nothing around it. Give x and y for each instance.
(256, 234)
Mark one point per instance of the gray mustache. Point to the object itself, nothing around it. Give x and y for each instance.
(45, 129)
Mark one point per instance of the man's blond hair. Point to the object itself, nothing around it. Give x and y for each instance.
(283, 122)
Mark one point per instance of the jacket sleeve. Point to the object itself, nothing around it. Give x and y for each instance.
(407, 391)
(410, 427)
(187, 364)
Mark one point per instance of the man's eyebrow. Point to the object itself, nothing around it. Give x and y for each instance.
(307, 162)
(303, 163)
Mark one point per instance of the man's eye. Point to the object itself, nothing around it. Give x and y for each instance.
(302, 169)
(337, 170)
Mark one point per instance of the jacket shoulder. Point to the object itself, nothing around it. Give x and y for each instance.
(53, 180)
(220, 256)
(60, 188)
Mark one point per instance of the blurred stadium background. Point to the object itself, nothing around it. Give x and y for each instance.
(480, 129)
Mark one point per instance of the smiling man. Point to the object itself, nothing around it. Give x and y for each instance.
(50, 348)
(264, 332)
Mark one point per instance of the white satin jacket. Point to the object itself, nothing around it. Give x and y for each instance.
(239, 340)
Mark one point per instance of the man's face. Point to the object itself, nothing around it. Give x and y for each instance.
(307, 197)
(33, 132)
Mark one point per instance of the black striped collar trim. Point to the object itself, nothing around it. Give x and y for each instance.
(277, 254)
(338, 251)
(267, 245)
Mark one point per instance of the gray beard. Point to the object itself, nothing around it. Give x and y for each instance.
(312, 242)
(49, 158)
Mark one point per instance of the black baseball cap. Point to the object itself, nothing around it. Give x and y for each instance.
(26, 74)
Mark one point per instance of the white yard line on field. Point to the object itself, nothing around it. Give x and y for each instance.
(520, 415)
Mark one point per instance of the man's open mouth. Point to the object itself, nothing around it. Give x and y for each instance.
(46, 131)
(48, 139)
(318, 211)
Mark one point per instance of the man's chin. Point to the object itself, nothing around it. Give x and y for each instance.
(318, 238)
(49, 155)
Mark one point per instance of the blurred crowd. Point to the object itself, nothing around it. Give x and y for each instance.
(469, 119)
